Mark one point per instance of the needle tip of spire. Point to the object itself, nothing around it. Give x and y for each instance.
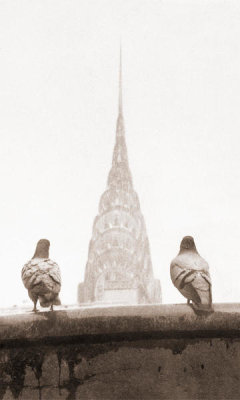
(120, 80)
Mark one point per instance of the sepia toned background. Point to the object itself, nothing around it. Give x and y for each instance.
(58, 101)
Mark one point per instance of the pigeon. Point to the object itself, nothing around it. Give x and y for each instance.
(190, 274)
(41, 276)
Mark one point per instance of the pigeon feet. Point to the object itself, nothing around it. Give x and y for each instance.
(35, 306)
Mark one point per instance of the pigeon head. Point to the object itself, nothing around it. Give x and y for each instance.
(42, 249)
(187, 243)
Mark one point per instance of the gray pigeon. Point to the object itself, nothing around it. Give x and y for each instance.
(42, 277)
(190, 274)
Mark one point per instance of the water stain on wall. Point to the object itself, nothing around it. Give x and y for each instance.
(64, 369)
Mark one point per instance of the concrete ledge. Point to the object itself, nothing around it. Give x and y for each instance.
(155, 320)
(121, 353)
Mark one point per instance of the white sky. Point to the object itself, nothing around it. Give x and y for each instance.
(58, 102)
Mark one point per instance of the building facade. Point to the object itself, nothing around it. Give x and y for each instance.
(119, 267)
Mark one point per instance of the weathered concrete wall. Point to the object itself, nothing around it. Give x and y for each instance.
(141, 352)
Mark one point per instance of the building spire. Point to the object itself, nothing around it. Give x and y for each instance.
(120, 175)
(120, 122)
(120, 82)
(119, 267)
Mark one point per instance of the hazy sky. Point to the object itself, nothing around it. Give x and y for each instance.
(58, 102)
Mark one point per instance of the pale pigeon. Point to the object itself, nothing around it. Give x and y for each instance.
(190, 274)
(41, 276)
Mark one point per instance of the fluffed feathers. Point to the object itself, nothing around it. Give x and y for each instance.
(43, 280)
(41, 276)
(190, 275)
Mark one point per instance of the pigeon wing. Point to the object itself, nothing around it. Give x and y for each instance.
(36, 271)
(30, 274)
(188, 278)
(54, 271)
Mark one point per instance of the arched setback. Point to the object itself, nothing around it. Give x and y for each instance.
(119, 224)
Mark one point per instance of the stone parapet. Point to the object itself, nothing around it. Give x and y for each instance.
(128, 352)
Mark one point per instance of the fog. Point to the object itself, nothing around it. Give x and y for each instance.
(59, 99)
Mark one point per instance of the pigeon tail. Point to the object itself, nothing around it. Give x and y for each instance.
(202, 309)
(204, 292)
(48, 299)
(57, 301)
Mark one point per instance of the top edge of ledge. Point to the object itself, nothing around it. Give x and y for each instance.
(89, 321)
